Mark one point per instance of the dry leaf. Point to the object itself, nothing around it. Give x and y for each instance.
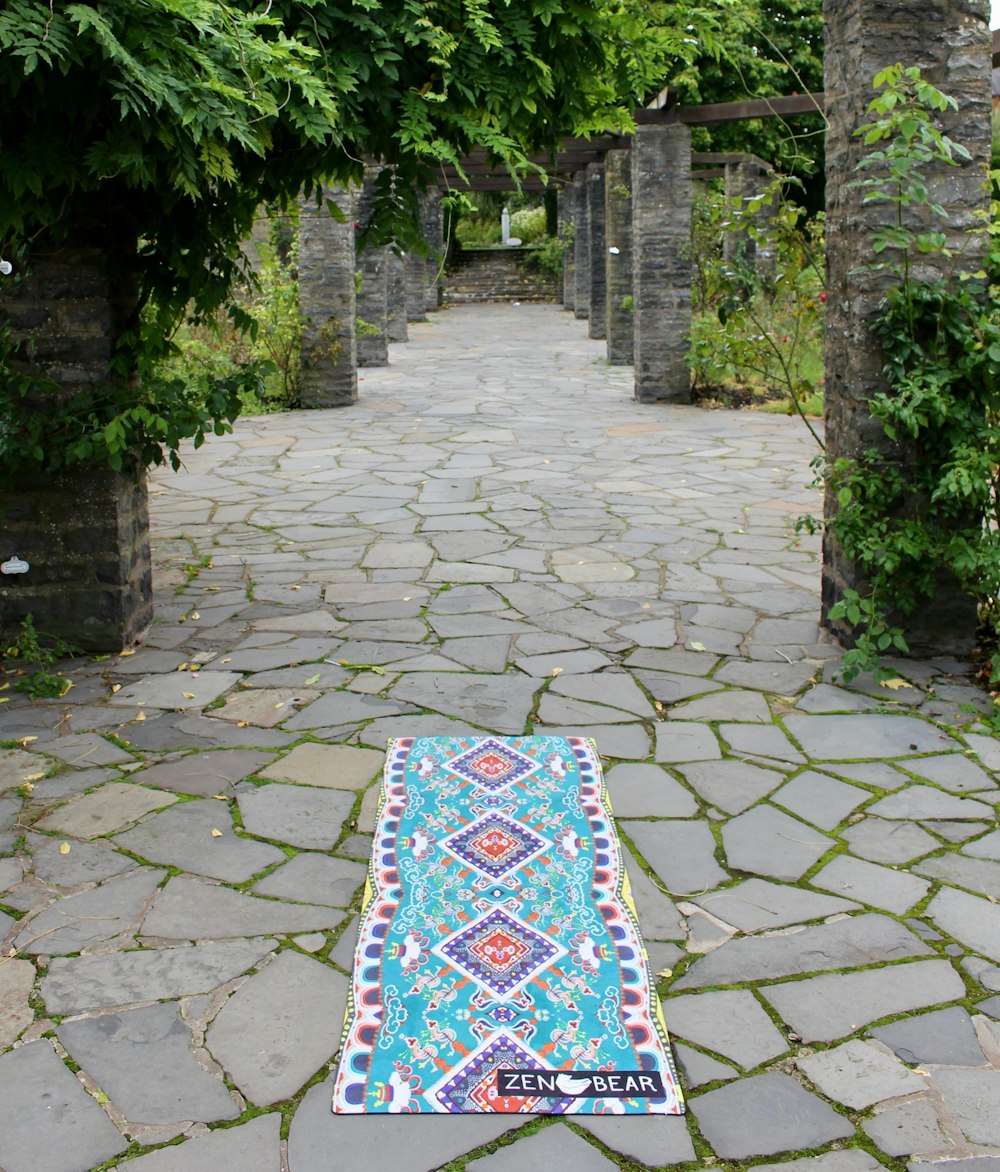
(557, 671)
(4, 699)
(242, 723)
(280, 704)
(697, 646)
(228, 659)
(33, 777)
(115, 688)
(195, 615)
(140, 716)
(216, 833)
(125, 654)
(313, 679)
(220, 797)
(895, 684)
(27, 788)
(183, 667)
(658, 706)
(665, 973)
(64, 848)
(184, 618)
(24, 742)
(188, 695)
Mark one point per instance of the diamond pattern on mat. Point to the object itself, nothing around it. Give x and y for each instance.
(495, 845)
(499, 952)
(492, 765)
(472, 1086)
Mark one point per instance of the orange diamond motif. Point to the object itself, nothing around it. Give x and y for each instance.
(495, 844)
(500, 950)
(493, 765)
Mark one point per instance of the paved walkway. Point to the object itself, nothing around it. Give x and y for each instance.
(495, 538)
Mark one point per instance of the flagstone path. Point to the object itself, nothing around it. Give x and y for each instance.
(496, 539)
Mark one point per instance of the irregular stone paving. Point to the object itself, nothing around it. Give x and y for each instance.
(496, 539)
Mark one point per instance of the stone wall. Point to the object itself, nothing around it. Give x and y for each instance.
(949, 41)
(495, 274)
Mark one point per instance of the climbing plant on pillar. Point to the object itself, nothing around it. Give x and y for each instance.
(926, 503)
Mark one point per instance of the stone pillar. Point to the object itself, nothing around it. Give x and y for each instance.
(581, 248)
(567, 222)
(373, 294)
(85, 534)
(327, 301)
(950, 43)
(745, 178)
(415, 274)
(432, 226)
(597, 250)
(618, 233)
(661, 227)
(83, 531)
(396, 297)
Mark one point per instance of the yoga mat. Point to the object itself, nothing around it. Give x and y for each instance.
(499, 965)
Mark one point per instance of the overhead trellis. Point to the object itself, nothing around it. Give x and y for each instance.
(478, 173)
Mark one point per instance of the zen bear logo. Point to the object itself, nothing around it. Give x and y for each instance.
(581, 1084)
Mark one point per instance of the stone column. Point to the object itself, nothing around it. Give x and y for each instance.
(950, 43)
(661, 227)
(396, 296)
(327, 301)
(745, 178)
(415, 274)
(432, 226)
(567, 219)
(597, 250)
(83, 531)
(373, 294)
(618, 233)
(581, 248)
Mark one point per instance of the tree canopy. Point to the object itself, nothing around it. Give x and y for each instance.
(185, 115)
(771, 48)
(154, 129)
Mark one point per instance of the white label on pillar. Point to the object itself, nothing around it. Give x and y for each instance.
(14, 565)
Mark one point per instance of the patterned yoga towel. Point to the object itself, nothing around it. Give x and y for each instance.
(499, 965)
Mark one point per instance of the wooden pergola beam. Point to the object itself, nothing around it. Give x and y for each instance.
(574, 154)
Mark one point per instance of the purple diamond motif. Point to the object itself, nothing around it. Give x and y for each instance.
(492, 765)
(495, 845)
(472, 1087)
(499, 953)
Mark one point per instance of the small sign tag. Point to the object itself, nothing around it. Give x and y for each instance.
(581, 1084)
(14, 565)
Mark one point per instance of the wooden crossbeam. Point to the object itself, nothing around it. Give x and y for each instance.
(715, 112)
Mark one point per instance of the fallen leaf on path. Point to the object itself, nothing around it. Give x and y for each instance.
(895, 684)
(64, 848)
(216, 833)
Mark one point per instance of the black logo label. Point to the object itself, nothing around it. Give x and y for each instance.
(581, 1084)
